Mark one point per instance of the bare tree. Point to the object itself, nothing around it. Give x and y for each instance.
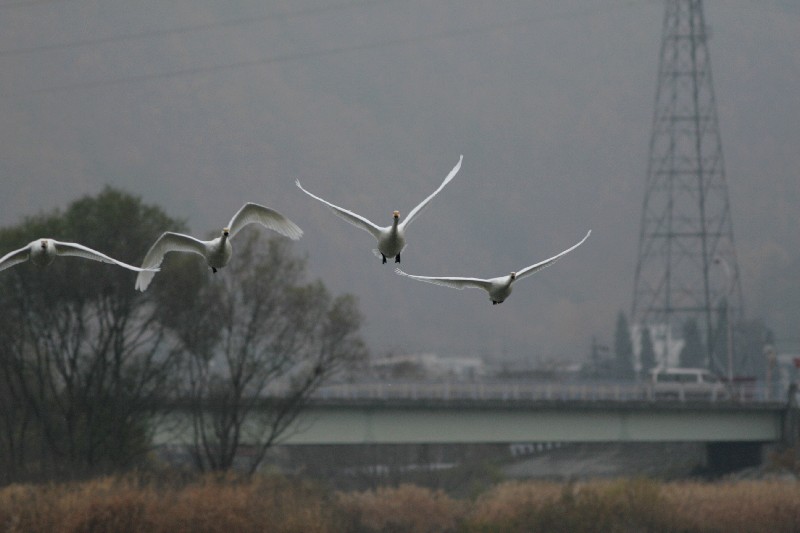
(276, 339)
(623, 349)
(84, 359)
(15, 415)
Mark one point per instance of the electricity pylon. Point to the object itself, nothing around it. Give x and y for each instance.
(687, 267)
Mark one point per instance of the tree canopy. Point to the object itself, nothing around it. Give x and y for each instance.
(90, 364)
(86, 357)
(647, 354)
(693, 353)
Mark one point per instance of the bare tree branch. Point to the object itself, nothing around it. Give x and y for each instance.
(272, 328)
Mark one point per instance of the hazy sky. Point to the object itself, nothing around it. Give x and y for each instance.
(201, 105)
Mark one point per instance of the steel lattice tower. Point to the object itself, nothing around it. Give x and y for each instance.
(687, 267)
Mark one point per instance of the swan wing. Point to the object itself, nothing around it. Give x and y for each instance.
(452, 282)
(251, 213)
(16, 257)
(167, 242)
(527, 271)
(422, 205)
(73, 249)
(352, 218)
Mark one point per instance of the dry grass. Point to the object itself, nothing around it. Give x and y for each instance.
(405, 508)
(275, 504)
(624, 505)
(211, 505)
(742, 506)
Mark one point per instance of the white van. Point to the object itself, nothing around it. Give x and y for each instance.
(685, 383)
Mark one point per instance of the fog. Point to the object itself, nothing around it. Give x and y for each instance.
(200, 106)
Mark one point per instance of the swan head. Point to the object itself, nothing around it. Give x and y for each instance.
(396, 214)
(513, 276)
(226, 232)
(43, 244)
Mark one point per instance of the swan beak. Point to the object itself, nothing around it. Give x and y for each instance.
(513, 275)
(396, 214)
(44, 244)
(226, 231)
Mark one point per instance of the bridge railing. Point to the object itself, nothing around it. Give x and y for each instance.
(536, 392)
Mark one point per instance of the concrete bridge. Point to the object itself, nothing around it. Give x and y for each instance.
(485, 413)
(734, 426)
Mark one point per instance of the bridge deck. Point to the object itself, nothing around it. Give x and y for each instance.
(386, 413)
(428, 421)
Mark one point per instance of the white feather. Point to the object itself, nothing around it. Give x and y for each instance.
(44, 251)
(391, 239)
(499, 288)
(217, 252)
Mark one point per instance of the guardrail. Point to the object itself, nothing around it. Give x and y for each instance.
(539, 392)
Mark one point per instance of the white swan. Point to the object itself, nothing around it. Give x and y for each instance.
(42, 252)
(498, 288)
(217, 252)
(391, 239)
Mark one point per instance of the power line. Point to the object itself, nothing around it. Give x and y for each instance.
(185, 29)
(194, 71)
(182, 29)
(26, 3)
(269, 60)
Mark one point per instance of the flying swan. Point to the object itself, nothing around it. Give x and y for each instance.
(498, 288)
(391, 239)
(42, 252)
(217, 252)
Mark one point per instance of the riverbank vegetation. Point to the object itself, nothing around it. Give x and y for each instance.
(276, 504)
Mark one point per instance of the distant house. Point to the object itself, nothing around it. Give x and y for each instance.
(428, 366)
(786, 371)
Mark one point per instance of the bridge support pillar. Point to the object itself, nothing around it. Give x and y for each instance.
(725, 457)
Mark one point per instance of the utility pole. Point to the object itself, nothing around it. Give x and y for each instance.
(686, 218)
